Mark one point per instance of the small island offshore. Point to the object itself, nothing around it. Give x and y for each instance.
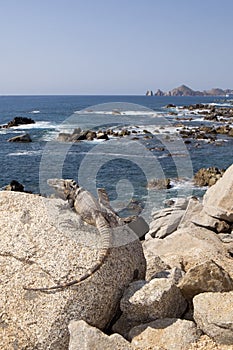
(184, 90)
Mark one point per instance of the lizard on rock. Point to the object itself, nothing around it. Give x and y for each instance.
(99, 214)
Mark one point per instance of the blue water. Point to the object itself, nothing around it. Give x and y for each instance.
(123, 176)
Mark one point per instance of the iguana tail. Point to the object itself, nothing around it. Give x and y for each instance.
(105, 233)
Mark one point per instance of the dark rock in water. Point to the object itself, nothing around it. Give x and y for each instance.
(149, 93)
(170, 105)
(208, 176)
(21, 138)
(102, 136)
(18, 121)
(159, 184)
(14, 186)
(63, 137)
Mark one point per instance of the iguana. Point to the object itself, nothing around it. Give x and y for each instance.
(99, 214)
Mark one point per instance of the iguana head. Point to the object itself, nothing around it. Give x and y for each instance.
(65, 188)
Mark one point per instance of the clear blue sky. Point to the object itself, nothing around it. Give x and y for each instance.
(114, 46)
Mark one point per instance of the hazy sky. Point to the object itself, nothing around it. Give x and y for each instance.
(114, 46)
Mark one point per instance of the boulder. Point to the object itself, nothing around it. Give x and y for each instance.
(218, 199)
(205, 277)
(146, 301)
(213, 313)
(20, 138)
(84, 336)
(190, 246)
(166, 334)
(41, 246)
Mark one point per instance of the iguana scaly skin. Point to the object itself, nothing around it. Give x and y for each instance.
(93, 213)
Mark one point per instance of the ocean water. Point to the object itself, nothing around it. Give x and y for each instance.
(122, 165)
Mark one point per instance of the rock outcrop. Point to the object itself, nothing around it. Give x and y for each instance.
(208, 176)
(21, 138)
(18, 121)
(42, 245)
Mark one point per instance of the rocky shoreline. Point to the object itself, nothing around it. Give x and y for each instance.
(174, 290)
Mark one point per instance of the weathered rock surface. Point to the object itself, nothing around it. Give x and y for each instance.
(217, 200)
(167, 334)
(146, 301)
(206, 277)
(208, 176)
(83, 336)
(213, 313)
(21, 138)
(42, 245)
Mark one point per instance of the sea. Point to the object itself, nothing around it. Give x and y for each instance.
(122, 165)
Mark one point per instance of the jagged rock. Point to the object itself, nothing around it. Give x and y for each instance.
(20, 138)
(217, 201)
(206, 277)
(167, 334)
(18, 121)
(207, 177)
(213, 313)
(159, 93)
(146, 301)
(149, 93)
(166, 224)
(84, 336)
(42, 245)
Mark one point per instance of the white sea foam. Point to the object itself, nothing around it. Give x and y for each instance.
(37, 125)
(34, 112)
(25, 153)
(118, 112)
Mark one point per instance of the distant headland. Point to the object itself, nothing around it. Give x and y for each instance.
(184, 90)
